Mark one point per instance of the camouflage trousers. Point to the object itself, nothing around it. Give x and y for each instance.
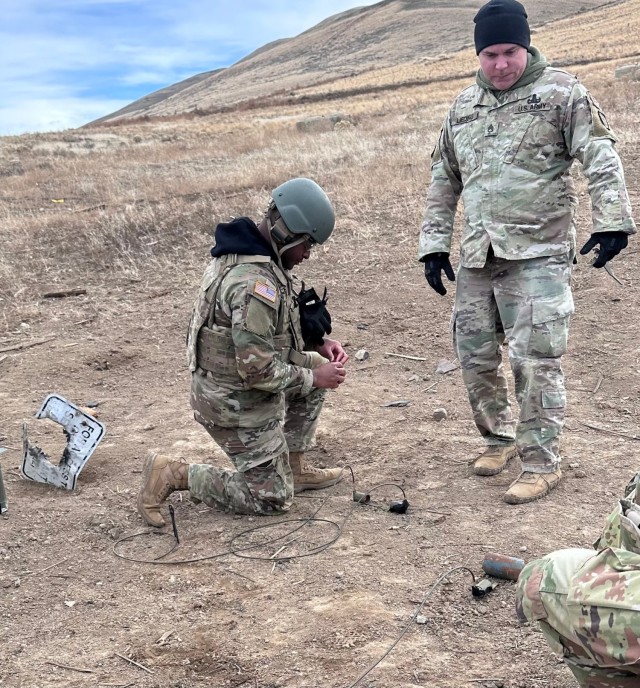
(528, 304)
(599, 642)
(262, 482)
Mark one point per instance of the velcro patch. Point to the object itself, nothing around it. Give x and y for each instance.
(600, 124)
(534, 104)
(266, 291)
(464, 119)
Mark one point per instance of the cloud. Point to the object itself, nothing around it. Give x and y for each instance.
(53, 114)
(66, 62)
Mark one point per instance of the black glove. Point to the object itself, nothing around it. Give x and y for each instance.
(610, 244)
(315, 319)
(434, 264)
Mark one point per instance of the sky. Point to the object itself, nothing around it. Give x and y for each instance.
(64, 63)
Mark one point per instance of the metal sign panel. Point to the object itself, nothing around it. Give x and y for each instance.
(83, 434)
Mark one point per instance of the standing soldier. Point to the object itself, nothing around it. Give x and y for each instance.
(260, 363)
(588, 603)
(506, 148)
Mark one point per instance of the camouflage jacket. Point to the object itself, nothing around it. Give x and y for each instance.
(601, 612)
(244, 338)
(509, 160)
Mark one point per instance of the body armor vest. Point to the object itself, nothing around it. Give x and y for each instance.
(210, 345)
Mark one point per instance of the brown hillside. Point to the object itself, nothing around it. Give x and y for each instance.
(383, 35)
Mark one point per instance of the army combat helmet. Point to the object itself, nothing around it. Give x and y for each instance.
(304, 211)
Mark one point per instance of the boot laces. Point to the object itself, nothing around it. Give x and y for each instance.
(169, 485)
(308, 468)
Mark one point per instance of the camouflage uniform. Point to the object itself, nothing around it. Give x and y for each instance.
(588, 604)
(508, 156)
(252, 384)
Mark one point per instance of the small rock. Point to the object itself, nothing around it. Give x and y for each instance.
(422, 620)
(363, 326)
(149, 426)
(362, 355)
(574, 465)
(580, 473)
(440, 414)
(396, 404)
(115, 533)
(523, 548)
(69, 603)
(413, 378)
(445, 366)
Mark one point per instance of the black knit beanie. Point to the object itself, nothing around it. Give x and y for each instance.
(501, 21)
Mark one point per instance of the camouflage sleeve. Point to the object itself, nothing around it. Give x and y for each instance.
(442, 197)
(622, 527)
(590, 139)
(254, 304)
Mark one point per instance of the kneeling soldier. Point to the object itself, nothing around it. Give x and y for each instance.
(260, 363)
(588, 602)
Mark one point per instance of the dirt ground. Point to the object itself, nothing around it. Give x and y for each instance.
(72, 612)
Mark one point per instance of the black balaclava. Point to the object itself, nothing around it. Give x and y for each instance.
(501, 21)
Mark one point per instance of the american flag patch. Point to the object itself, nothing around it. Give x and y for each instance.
(266, 291)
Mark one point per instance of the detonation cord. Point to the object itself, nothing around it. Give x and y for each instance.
(240, 551)
(428, 594)
(358, 499)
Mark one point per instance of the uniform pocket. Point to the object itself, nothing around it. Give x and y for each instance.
(550, 318)
(464, 137)
(553, 399)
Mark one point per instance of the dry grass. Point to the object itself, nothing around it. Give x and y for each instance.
(144, 197)
(605, 37)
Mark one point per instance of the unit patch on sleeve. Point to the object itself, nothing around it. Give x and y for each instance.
(599, 121)
(266, 291)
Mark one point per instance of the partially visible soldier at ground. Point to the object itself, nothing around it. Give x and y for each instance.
(260, 363)
(506, 148)
(588, 603)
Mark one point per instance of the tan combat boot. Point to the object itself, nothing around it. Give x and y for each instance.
(494, 459)
(531, 486)
(161, 476)
(307, 477)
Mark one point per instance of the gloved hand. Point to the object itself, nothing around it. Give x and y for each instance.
(610, 244)
(434, 264)
(315, 319)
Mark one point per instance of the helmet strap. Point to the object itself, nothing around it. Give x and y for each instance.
(282, 239)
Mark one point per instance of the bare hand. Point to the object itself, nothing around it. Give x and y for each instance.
(329, 375)
(333, 350)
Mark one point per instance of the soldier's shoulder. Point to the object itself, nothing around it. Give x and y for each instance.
(256, 279)
(468, 95)
(556, 86)
(465, 101)
(560, 78)
(246, 273)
